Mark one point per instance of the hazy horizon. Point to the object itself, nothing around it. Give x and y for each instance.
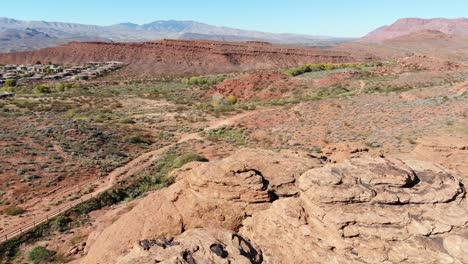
(333, 18)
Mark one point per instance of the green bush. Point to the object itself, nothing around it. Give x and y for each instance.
(10, 83)
(40, 254)
(137, 138)
(60, 223)
(42, 89)
(186, 158)
(232, 99)
(228, 133)
(202, 80)
(296, 71)
(14, 210)
(9, 89)
(127, 121)
(68, 86)
(60, 87)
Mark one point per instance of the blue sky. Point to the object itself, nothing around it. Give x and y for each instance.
(352, 18)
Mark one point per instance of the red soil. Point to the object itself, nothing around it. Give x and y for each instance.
(259, 85)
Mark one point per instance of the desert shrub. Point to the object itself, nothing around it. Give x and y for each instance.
(76, 85)
(42, 89)
(217, 100)
(101, 118)
(127, 121)
(332, 91)
(228, 133)
(47, 69)
(60, 223)
(75, 114)
(221, 104)
(186, 158)
(10, 83)
(60, 87)
(296, 71)
(137, 138)
(14, 210)
(68, 86)
(24, 103)
(40, 254)
(202, 80)
(232, 99)
(9, 89)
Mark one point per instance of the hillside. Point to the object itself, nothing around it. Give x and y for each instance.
(422, 42)
(178, 56)
(407, 26)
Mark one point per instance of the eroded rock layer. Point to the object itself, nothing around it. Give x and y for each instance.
(260, 206)
(172, 57)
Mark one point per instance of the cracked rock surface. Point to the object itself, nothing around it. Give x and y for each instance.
(260, 206)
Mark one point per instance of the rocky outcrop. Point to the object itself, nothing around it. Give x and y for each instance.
(366, 210)
(449, 151)
(219, 194)
(266, 207)
(197, 246)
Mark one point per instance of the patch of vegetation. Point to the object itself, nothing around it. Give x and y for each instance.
(42, 89)
(232, 99)
(62, 87)
(138, 138)
(127, 121)
(187, 158)
(227, 133)
(39, 255)
(296, 71)
(74, 114)
(380, 88)
(10, 83)
(14, 210)
(203, 80)
(25, 103)
(221, 104)
(60, 223)
(157, 175)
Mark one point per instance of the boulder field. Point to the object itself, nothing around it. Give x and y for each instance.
(260, 206)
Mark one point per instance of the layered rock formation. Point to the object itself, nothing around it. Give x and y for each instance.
(265, 207)
(172, 57)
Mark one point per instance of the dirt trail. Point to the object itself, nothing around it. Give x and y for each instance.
(38, 216)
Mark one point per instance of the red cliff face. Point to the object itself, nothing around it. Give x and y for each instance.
(407, 26)
(179, 56)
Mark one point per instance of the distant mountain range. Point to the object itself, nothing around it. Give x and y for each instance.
(18, 35)
(406, 26)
